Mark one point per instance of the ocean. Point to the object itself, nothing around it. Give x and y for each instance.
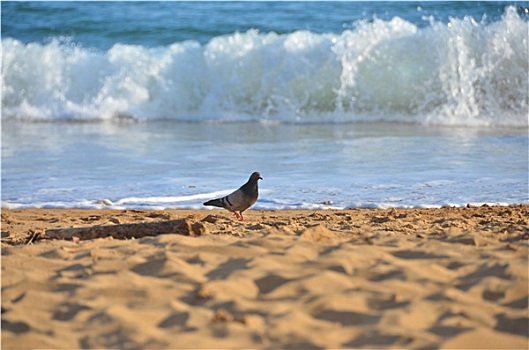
(151, 105)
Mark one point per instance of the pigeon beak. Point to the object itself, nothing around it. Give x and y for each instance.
(260, 178)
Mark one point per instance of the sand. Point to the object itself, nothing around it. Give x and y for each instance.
(360, 278)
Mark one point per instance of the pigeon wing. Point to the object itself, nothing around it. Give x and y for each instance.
(235, 201)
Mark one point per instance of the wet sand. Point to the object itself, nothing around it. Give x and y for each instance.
(406, 278)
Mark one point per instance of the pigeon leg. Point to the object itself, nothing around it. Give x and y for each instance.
(238, 215)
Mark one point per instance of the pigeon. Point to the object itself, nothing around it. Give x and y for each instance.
(241, 199)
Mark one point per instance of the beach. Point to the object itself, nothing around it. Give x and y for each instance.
(392, 142)
(355, 278)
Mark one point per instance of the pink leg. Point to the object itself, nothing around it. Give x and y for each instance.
(238, 215)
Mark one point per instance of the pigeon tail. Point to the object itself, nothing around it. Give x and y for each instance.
(215, 203)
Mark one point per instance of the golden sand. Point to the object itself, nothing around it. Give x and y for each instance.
(405, 278)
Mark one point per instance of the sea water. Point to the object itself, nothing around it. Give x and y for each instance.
(337, 104)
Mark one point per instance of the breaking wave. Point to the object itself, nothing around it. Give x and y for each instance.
(458, 73)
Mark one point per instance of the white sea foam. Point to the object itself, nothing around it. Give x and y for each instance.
(456, 73)
(197, 198)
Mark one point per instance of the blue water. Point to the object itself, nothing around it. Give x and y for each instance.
(337, 104)
(103, 24)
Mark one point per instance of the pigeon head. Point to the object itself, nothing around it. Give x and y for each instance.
(255, 177)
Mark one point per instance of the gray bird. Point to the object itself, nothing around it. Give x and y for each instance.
(241, 199)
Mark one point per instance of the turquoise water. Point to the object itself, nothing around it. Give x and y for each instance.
(103, 24)
(349, 104)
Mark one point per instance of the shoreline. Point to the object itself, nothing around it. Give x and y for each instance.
(355, 278)
(19, 224)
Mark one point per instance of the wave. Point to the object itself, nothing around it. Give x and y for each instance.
(458, 73)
